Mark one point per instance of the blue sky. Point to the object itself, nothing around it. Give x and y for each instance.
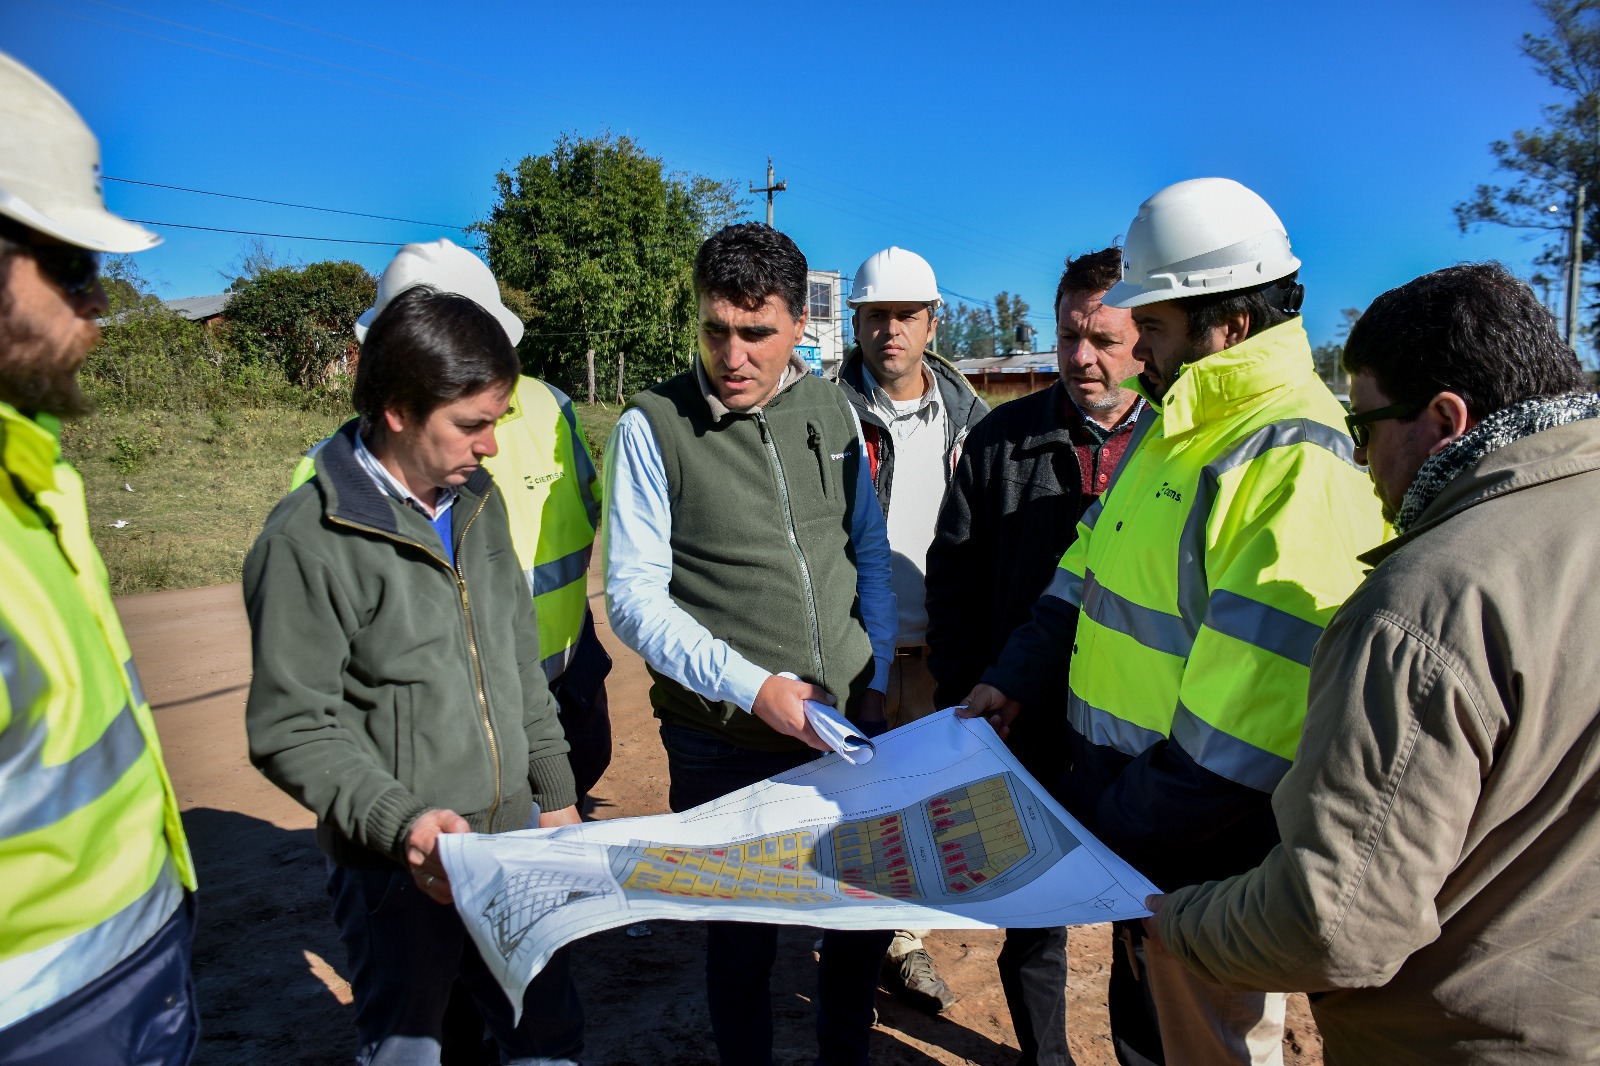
(993, 139)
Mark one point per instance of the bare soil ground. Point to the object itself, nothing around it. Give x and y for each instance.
(269, 965)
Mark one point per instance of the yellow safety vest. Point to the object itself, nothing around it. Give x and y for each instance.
(1207, 572)
(552, 493)
(93, 858)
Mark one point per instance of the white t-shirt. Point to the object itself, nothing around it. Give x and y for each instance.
(918, 428)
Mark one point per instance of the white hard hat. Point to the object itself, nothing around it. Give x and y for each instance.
(1205, 235)
(445, 267)
(894, 276)
(50, 168)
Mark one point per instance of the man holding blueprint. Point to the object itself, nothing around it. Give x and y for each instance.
(743, 540)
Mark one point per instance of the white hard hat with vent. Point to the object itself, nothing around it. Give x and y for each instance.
(50, 168)
(894, 276)
(1205, 235)
(445, 267)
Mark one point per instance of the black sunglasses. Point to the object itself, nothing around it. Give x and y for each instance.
(75, 270)
(1360, 425)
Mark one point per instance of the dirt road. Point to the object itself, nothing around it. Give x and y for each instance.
(268, 963)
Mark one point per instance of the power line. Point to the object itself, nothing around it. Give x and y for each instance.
(986, 303)
(258, 233)
(281, 203)
(428, 89)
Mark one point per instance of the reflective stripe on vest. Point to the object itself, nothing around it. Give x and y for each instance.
(1225, 755)
(91, 840)
(38, 795)
(1065, 585)
(1219, 661)
(49, 974)
(1192, 597)
(549, 481)
(1106, 729)
(552, 577)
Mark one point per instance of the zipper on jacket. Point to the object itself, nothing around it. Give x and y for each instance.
(466, 610)
(794, 543)
(477, 664)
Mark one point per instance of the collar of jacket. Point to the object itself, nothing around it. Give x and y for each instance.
(957, 395)
(1549, 455)
(719, 410)
(1220, 384)
(30, 448)
(1050, 425)
(348, 494)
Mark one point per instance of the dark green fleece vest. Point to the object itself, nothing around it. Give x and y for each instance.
(761, 551)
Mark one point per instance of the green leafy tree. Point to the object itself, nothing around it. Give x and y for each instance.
(126, 286)
(300, 319)
(1011, 316)
(1554, 162)
(966, 332)
(598, 240)
(1329, 357)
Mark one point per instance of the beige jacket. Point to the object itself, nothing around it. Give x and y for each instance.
(1438, 885)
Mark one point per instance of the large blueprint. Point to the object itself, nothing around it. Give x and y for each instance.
(942, 829)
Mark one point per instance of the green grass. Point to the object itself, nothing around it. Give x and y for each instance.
(202, 484)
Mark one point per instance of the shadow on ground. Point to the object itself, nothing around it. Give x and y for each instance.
(265, 935)
(267, 963)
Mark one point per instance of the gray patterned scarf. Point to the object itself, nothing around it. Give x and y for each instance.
(1499, 429)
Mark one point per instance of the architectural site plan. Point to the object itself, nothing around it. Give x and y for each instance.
(942, 829)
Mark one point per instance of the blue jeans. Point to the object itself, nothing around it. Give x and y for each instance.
(406, 952)
(142, 1010)
(740, 955)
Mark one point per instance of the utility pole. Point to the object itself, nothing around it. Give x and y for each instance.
(771, 189)
(1574, 266)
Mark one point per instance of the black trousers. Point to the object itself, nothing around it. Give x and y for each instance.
(1033, 974)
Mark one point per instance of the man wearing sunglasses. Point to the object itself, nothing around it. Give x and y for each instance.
(94, 946)
(1435, 886)
(1203, 576)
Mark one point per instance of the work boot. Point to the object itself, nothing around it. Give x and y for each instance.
(911, 977)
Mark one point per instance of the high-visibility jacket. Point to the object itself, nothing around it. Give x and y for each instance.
(93, 859)
(552, 493)
(1209, 569)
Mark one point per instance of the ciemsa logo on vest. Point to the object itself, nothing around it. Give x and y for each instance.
(1169, 492)
(543, 479)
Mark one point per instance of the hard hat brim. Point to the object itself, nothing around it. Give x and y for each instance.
(508, 321)
(96, 229)
(1127, 294)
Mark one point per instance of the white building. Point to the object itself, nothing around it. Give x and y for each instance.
(826, 322)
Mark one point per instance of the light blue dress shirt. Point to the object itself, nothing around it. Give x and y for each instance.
(638, 563)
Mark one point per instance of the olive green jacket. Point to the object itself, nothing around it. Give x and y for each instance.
(388, 681)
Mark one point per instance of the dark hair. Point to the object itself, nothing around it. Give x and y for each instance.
(747, 262)
(1474, 330)
(1268, 305)
(1090, 272)
(427, 349)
